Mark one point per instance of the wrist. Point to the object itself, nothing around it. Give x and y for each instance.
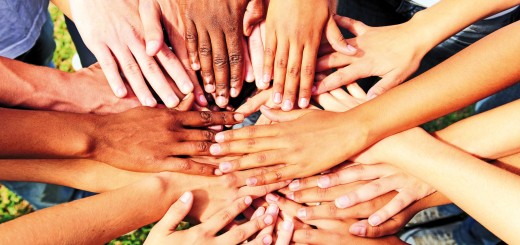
(422, 33)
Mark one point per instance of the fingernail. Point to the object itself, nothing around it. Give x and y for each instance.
(271, 198)
(202, 98)
(272, 209)
(314, 89)
(358, 230)
(238, 117)
(324, 181)
(219, 137)
(287, 225)
(302, 213)
(210, 88)
(290, 196)
(371, 96)
(287, 105)
(277, 98)
(150, 101)
(248, 200)
(233, 92)
(187, 87)
(214, 149)
(303, 103)
(351, 48)
(185, 198)
(225, 167)
(295, 185)
(342, 202)
(195, 66)
(151, 47)
(268, 219)
(267, 79)
(251, 181)
(121, 92)
(374, 220)
(171, 101)
(218, 172)
(267, 240)
(222, 101)
(259, 212)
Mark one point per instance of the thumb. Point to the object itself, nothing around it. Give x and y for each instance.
(355, 27)
(336, 39)
(186, 103)
(255, 11)
(175, 214)
(386, 83)
(281, 116)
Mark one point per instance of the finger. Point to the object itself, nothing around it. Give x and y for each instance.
(192, 44)
(176, 69)
(355, 27)
(255, 11)
(329, 103)
(256, 50)
(307, 76)
(292, 77)
(225, 216)
(253, 104)
(134, 76)
(175, 214)
(151, 17)
(244, 231)
(304, 183)
(336, 39)
(235, 48)
(154, 75)
(206, 62)
(363, 229)
(288, 206)
(198, 135)
(285, 234)
(250, 161)
(206, 118)
(339, 78)
(220, 68)
(237, 179)
(365, 193)
(282, 174)
(316, 194)
(186, 103)
(333, 60)
(354, 89)
(183, 165)
(386, 83)
(269, 56)
(281, 116)
(273, 210)
(111, 71)
(396, 205)
(262, 120)
(280, 70)
(310, 236)
(260, 191)
(249, 74)
(247, 132)
(241, 147)
(352, 174)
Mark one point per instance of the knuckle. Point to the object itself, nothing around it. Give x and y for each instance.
(251, 131)
(152, 67)
(290, 93)
(308, 70)
(293, 72)
(240, 234)
(322, 193)
(184, 165)
(268, 52)
(281, 63)
(261, 158)
(332, 210)
(220, 62)
(278, 175)
(201, 146)
(230, 180)
(235, 59)
(308, 234)
(205, 50)
(226, 215)
(203, 169)
(251, 143)
(191, 36)
(206, 116)
(208, 135)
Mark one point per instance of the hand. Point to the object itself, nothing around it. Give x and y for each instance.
(89, 93)
(393, 61)
(291, 48)
(164, 231)
(156, 14)
(384, 178)
(302, 144)
(256, 52)
(112, 30)
(216, 40)
(153, 140)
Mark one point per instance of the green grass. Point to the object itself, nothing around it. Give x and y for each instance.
(12, 206)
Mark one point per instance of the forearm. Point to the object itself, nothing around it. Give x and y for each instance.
(76, 173)
(29, 86)
(41, 134)
(490, 135)
(443, 20)
(97, 219)
(64, 6)
(474, 185)
(462, 80)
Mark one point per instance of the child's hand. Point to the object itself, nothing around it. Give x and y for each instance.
(294, 30)
(164, 231)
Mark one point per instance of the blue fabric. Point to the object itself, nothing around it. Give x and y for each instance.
(21, 21)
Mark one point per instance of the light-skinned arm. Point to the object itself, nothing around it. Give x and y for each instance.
(305, 144)
(84, 91)
(405, 44)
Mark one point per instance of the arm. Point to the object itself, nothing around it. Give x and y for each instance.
(30, 86)
(76, 173)
(97, 219)
(405, 44)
